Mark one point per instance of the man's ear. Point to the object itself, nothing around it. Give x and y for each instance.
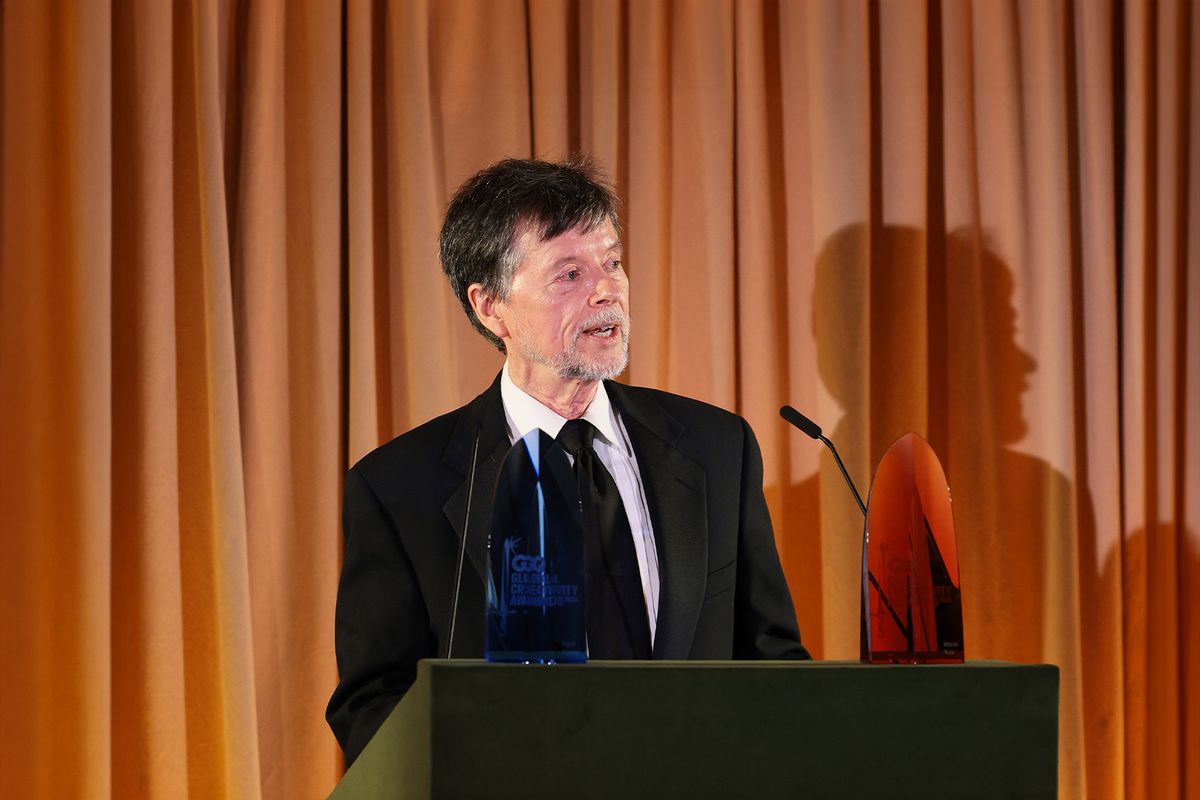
(487, 308)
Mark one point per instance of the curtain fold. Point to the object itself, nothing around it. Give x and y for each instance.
(1159, 554)
(56, 383)
(286, 256)
(219, 287)
(218, 665)
(149, 723)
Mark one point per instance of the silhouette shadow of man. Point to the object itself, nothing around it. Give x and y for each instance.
(920, 334)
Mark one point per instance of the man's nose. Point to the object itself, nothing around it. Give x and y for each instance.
(606, 290)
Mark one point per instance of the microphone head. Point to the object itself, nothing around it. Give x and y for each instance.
(800, 421)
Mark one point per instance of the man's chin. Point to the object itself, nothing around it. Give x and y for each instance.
(592, 372)
(594, 369)
(579, 366)
(591, 363)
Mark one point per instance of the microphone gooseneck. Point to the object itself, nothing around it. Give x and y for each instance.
(813, 430)
(462, 545)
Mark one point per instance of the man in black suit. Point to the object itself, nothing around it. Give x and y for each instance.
(533, 252)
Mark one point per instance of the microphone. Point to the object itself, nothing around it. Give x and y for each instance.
(813, 430)
(462, 544)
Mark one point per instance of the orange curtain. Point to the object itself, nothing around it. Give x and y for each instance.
(219, 287)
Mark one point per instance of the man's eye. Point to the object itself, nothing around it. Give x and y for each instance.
(615, 264)
(571, 274)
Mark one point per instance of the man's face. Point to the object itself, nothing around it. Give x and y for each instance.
(566, 313)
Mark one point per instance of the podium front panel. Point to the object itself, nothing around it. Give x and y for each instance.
(717, 729)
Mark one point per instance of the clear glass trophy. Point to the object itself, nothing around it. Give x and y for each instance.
(535, 582)
(911, 595)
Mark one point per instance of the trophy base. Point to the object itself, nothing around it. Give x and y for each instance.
(537, 657)
(908, 657)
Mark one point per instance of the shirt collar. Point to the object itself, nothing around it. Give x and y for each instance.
(524, 413)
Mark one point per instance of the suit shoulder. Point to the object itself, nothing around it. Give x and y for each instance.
(685, 409)
(717, 423)
(424, 444)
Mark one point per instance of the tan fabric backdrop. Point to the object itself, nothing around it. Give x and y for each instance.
(219, 287)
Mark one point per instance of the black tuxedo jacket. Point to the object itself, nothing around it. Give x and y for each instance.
(723, 592)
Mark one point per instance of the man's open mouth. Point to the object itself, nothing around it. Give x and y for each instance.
(602, 332)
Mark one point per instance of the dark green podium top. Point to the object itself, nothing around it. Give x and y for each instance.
(717, 729)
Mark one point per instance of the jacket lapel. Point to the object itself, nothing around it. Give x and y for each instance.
(485, 415)
(676, 494)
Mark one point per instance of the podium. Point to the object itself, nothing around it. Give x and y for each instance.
(716, 729)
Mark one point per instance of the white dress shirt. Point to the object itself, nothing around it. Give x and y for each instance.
(523, 414)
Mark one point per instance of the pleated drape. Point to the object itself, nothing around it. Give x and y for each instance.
(219, 287)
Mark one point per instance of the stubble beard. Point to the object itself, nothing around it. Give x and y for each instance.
(574, 365)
